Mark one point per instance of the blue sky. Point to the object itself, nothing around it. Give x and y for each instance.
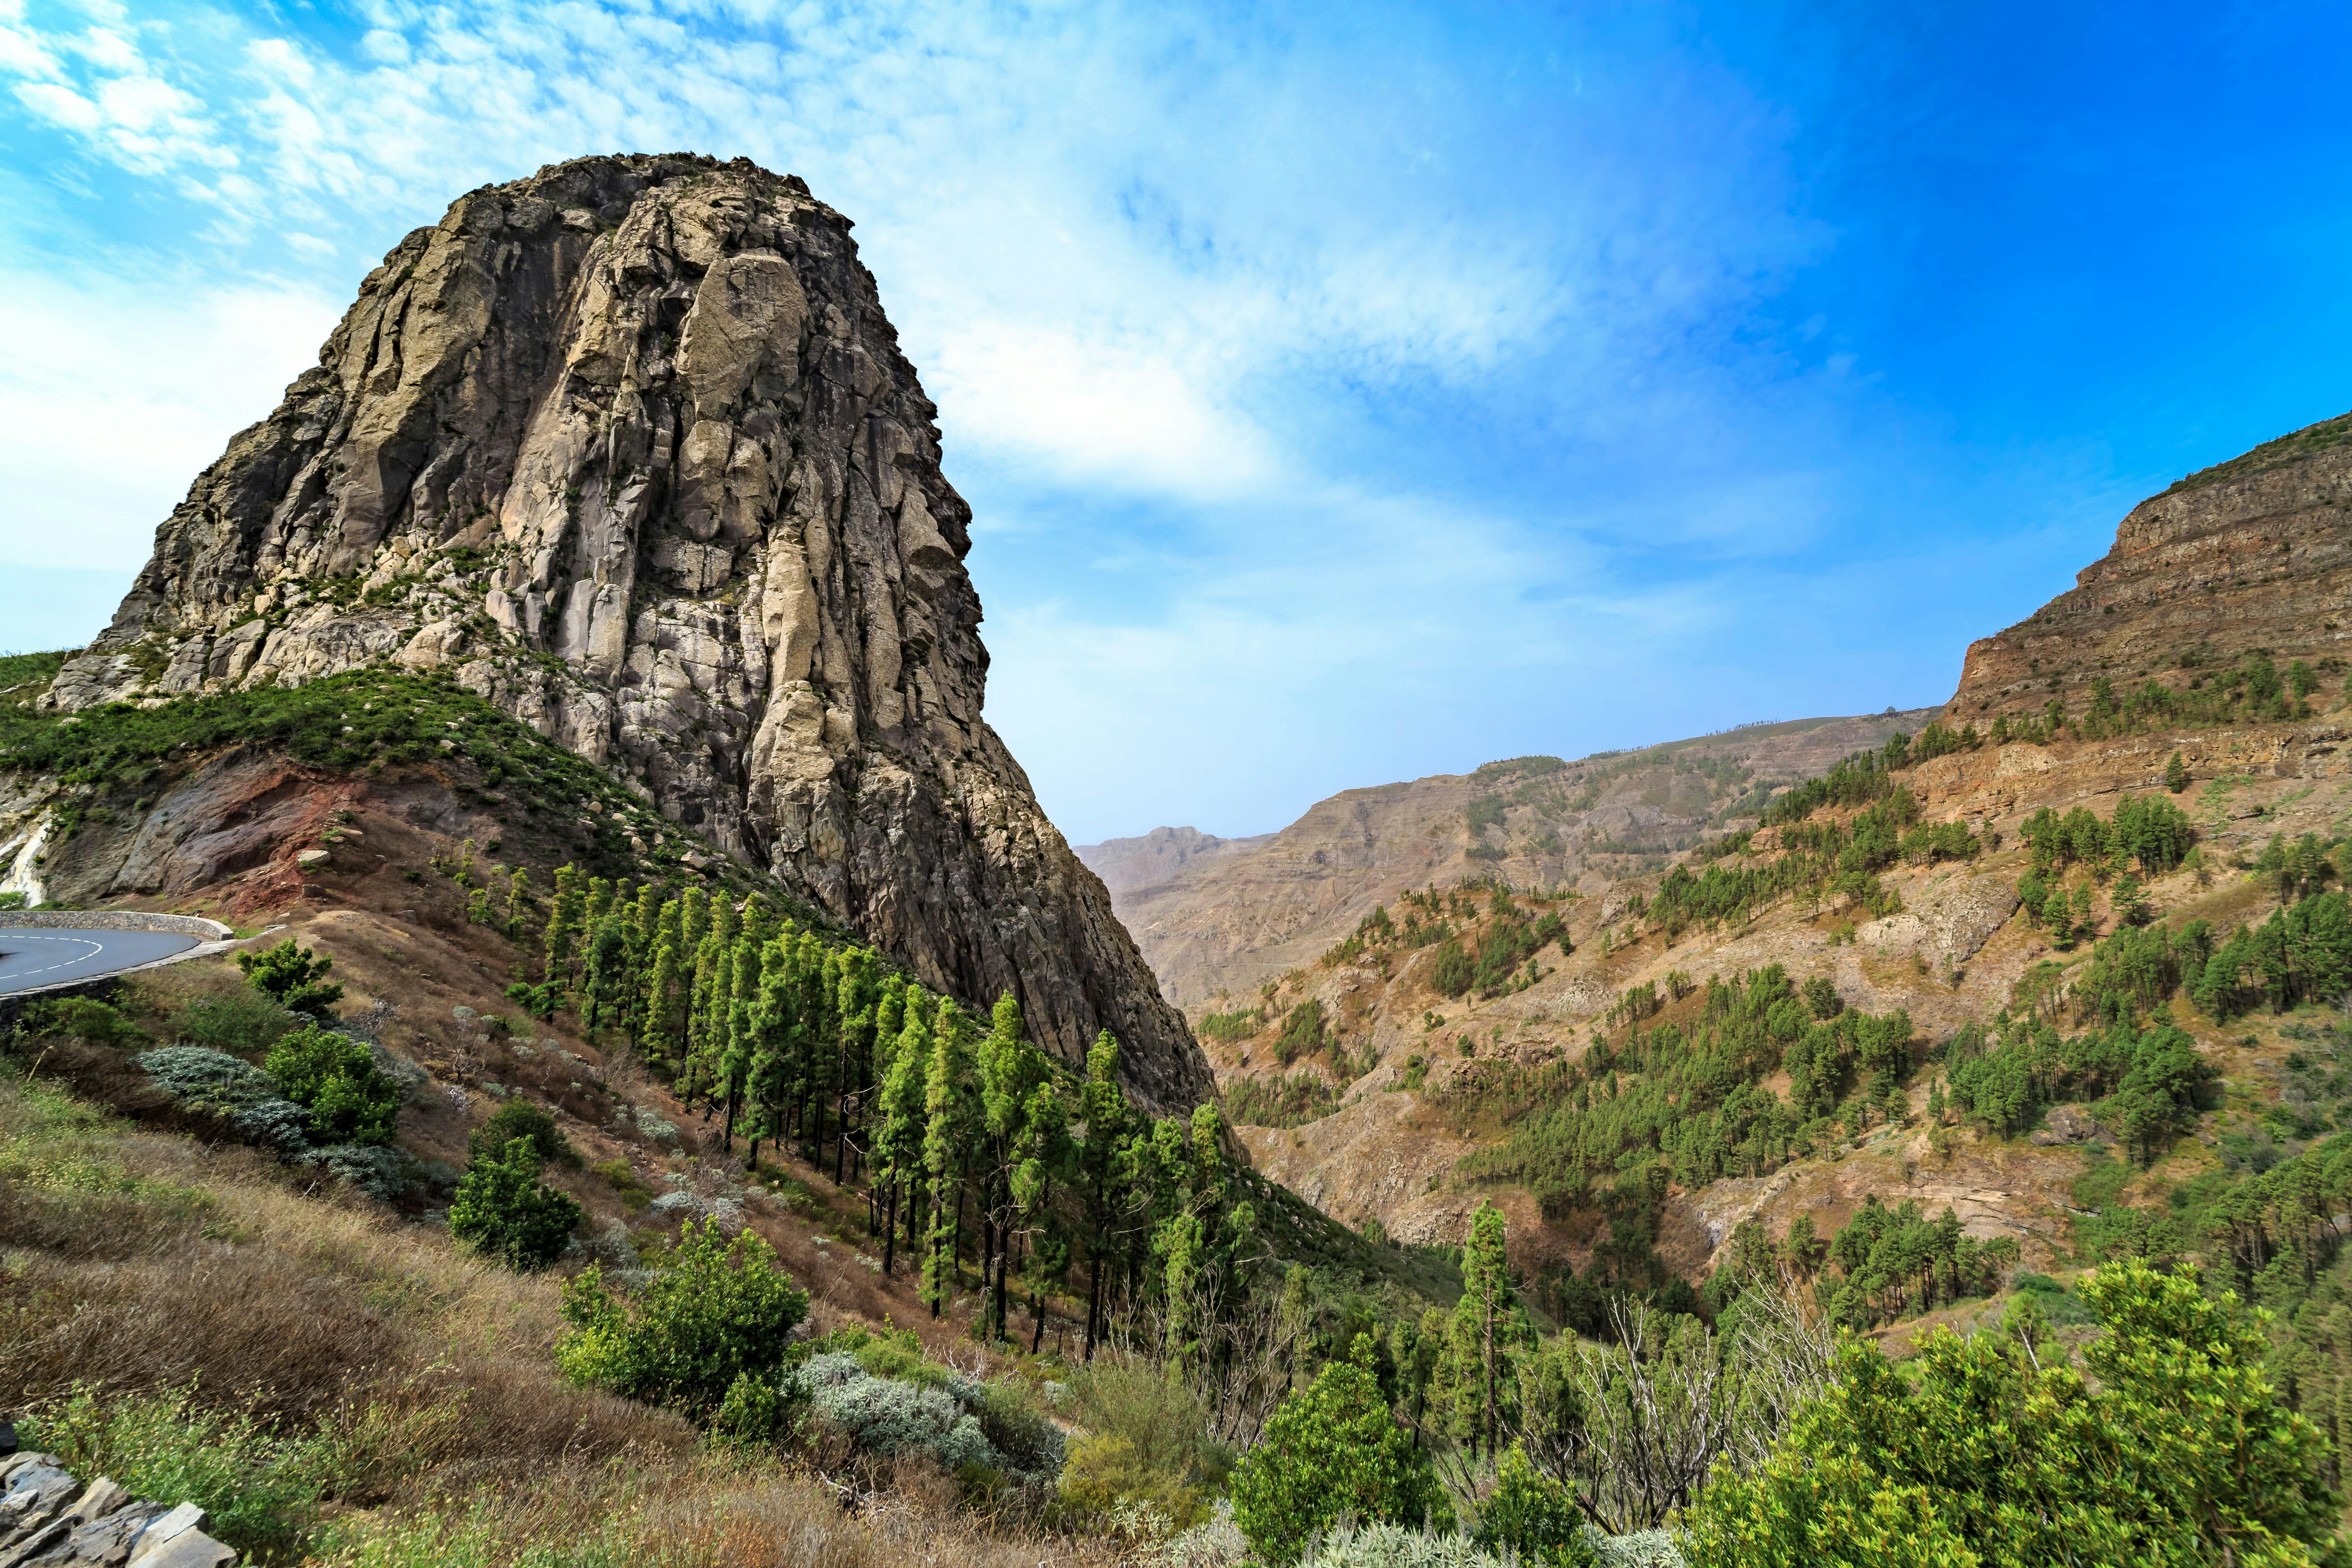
(1345, 393)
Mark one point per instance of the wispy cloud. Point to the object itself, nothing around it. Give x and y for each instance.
(1346, 376)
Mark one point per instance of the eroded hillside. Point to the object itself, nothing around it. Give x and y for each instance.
(1782, 1013)
(1217, 915)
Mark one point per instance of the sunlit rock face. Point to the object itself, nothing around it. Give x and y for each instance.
(630, 446)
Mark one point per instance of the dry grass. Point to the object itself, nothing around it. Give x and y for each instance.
(708, 1512)
(134, 1262)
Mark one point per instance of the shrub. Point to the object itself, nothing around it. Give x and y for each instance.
(1534, 1516)
(2169, 1444)
(522, 1118)
(503, 1209)
(1396, 1546)
(759, 1408)
(350, 1099)
(886, 1418)
(1027, 1445)
(379, 1172)
(1148, 1442)
(259, 1492)
(720, 1310)
(83, 1018)
(1331, 1449)
(242, 1022)
(204, 1079)
(294, 977)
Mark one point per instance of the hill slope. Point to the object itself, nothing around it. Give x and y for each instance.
(1402, 1065)
(1222, 914)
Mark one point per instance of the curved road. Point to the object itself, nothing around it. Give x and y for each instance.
(32, 959)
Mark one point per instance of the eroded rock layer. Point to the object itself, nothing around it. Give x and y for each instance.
(2254, 553)
(630, 446)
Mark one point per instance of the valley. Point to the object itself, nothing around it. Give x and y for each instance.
(672, 1095)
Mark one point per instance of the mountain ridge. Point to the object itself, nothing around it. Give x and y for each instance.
(1223, 914)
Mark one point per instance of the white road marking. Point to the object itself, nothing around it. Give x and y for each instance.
(95, 949)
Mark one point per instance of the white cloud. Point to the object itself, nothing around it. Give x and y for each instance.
(118, 391)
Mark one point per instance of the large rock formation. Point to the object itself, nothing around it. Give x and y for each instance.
(2255, 553)
(631, 448)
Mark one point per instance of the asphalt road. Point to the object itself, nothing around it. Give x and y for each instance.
(30, 959)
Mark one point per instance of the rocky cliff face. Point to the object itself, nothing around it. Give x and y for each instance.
(630, 447)
(2255, 553)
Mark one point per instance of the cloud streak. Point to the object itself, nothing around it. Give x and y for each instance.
(1363, 389)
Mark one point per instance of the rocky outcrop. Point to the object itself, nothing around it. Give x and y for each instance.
(629, 448)
(2255, 553)
(49, 1520)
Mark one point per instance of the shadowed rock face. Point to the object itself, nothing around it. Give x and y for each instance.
(630, 447)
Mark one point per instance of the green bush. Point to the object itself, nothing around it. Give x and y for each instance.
(260, 1491)
(335, 1077)
(522, 1118)
(83, 1018)
(1148, 1442)
(1332, 1450)
(241, 1023)
(293, 977)
(503, 1209)
(719, 1309)
(2169, 1444)
(1534, 1516)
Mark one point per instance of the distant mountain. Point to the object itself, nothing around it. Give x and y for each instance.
(1217, 915)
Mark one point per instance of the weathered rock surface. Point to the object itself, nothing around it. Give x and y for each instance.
(48, 1519)
(630, 447)
(2255, 553)
(1223, 914)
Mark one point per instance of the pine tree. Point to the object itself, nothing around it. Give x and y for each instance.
(1103, 1169)
(664, 1039)
(774, 1030)
(948, 1123)
(565, 920)
(1482, 1322)
(2176, 774)
(603, 990)
(706, 1023)
(517, 893)
(898, 1138)
(1010, 1069)
(734, 1028)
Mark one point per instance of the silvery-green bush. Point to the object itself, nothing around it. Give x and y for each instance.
(886, 1418)
(1395, 1546)
(381, 1173)
(202, 1078)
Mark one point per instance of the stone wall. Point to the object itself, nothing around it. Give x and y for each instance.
(114, 919)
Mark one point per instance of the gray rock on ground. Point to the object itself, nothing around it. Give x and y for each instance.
(48, 1519)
